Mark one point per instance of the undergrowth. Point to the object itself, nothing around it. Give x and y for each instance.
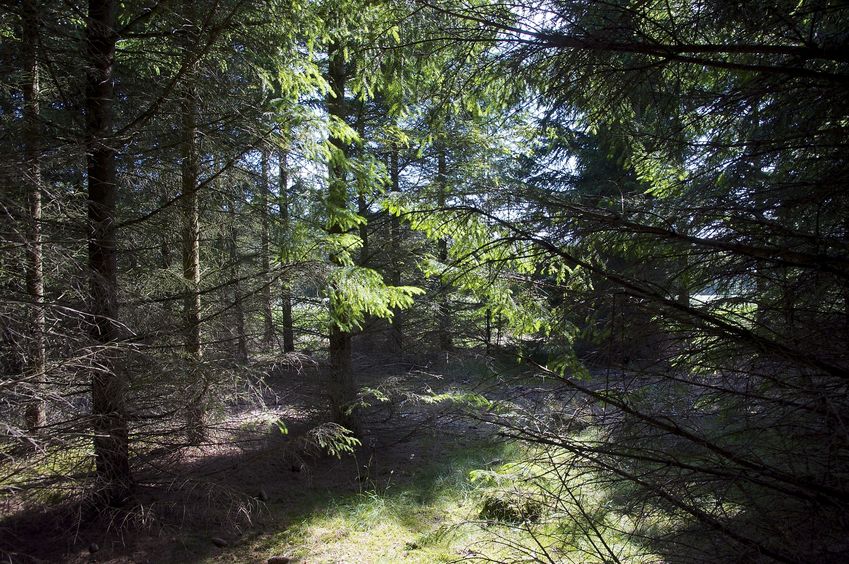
(484, 502)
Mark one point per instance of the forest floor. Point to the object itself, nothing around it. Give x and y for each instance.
(404, 494)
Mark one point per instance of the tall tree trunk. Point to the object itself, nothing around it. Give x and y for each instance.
(342, 391)
(488, 330)
(35, 411)
(286, 236)
(362, 202)
(445, 339)
(265, 256)
(236, 273)
(164, 241)
(846, 287)
(108, 386)
(362, 210)
(396, 335)
(683, 274)
(190, 171)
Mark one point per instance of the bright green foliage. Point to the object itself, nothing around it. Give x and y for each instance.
(647, 198)
(356, 292)
(334, 439)
(468, 400)
(496, 270)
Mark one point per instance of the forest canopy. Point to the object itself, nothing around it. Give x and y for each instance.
(640, 206)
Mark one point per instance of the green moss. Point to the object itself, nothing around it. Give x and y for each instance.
(512, 507)
(423, 519)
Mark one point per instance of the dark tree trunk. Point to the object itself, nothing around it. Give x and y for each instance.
(35, 411)
(265, 256)
(488, 329)
(846, 286)
(396, 335)
(164, 240)
(362, 210)
(445, 340)
(342, 391)
(190, 170)
(362, 201)
(236, 274)
(286, 297)
(683, 289)
(108, 385)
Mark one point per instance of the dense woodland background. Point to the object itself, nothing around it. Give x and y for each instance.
(641, 205)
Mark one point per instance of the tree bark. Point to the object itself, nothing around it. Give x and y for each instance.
(342, 391)
(164, 240)
(236, 274)
(683, 274)
(445, 340)
(488, 330)
(265, 256)
(362, 210)
(190, 170)
(846, 287)
(362, 202)
(396, 335)
(108, 386)
(286, 236)
(36, 411)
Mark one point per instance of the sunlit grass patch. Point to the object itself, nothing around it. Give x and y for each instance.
(48, 476)
(547, 506)
(428, 518)
(445, 512)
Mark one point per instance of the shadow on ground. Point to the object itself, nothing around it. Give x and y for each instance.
(232, 500)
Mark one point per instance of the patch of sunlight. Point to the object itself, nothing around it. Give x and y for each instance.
(384, 527)
(546, 506)
(498, 503)
(429, 519)
(47, 474)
